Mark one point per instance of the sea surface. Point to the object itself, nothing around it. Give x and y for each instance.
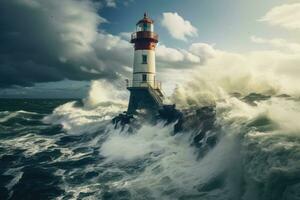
(69, 149)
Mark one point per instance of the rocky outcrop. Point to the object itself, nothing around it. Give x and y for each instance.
(200, 121)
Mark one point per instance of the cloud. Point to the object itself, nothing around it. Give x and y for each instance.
(58, 40)
(178, 27)
(125, 35)
(43, 41)
(169, 54)
(175, 58)
(286, 16)
(178, 65)
(203, 50)
(278, 43)
(111, 3)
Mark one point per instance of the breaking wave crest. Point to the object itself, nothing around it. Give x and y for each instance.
(7, 115)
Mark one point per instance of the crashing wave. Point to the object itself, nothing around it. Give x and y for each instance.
(233, 147)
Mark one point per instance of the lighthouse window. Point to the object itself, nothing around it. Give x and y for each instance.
(145, 27)
(144, 59)
(139, 27)
(144, 77)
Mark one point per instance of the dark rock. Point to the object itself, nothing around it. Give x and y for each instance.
(122, 119)
(211, 141)
(201, 121)
(170, 114)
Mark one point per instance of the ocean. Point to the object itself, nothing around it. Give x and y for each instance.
(238, 148)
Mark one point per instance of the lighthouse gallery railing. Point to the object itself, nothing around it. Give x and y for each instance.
(153, 84)
(144, 34)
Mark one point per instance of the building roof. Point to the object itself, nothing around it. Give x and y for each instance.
(146, 19)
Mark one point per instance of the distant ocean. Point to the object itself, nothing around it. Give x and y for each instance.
(67, 149)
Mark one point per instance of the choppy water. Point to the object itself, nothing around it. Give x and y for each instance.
(65, 149)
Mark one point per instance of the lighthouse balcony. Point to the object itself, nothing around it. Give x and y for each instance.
(144, 35)
(156, 85)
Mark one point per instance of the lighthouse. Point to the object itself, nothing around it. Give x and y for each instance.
(145, 91)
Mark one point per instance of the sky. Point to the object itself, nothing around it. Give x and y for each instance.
(54, 49)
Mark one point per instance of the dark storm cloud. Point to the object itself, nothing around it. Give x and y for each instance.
(44, 41)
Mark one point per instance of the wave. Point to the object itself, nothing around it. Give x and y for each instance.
(17, 175)
(78, 120)
(7, 115)
(228, 170)
(248, 150)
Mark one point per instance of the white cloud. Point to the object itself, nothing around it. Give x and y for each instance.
(175, 58)
(114, 3)
(178, 27)
(203, 50)
(190, 57)
(125, 35)
(111, 3)
(109, 41)
(169, 54)
(278, 43)
(286, 16)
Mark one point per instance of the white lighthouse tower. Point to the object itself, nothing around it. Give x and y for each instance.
(145, 90)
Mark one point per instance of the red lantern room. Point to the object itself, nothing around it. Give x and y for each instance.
(144, 37)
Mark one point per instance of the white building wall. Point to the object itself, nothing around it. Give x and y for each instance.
(138, 65)
(139, 68)
(138, 80)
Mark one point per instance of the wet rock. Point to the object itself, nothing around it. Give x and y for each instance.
(200, 120)
(122, 119)
(170, 114)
